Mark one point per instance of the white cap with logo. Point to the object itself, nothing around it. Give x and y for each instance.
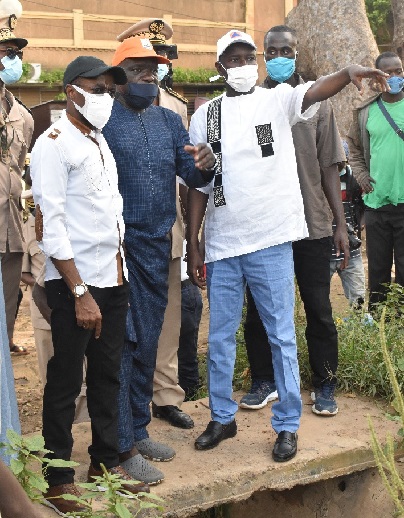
(233, 36)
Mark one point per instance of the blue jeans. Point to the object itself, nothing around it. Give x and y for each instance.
(269, 274)
(352, 278)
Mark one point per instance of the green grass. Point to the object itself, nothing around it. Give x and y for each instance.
(362, 369)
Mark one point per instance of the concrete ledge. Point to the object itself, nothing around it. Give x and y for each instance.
(238, 467)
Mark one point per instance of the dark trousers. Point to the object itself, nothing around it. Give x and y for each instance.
(384, 240)
(65, 376)
(147, 259)
(312, 270)
(191, 313)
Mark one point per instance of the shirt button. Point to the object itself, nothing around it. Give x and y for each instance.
(11, 196)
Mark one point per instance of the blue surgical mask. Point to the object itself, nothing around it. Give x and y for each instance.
(162, 71)
(12, 70)
(280, 69)
(140, 96)
(396, 84)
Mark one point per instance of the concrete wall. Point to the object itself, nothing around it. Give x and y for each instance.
(59, 34)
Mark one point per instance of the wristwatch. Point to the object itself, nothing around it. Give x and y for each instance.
(80, 289)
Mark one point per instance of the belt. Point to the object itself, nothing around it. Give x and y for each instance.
(185, 283)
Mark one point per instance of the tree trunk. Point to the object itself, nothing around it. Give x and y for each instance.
(398, 17)
(333, 34)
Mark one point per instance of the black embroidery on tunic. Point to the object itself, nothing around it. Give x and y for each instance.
(265, 139)
(213, 136)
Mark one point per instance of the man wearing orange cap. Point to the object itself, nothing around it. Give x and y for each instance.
(168, 396)
(151, 147)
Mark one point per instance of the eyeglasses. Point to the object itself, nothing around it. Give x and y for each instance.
(12, 52)
(98, 90)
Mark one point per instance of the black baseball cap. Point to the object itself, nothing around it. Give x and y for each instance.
(89, 66)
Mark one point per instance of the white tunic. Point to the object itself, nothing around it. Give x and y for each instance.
(264, 205)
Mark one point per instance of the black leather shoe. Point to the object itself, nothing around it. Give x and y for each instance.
(173, 415)
(215, 432)
(285, 446)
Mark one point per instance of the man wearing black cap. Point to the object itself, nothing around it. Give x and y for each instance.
(16, 127)
(80, 228)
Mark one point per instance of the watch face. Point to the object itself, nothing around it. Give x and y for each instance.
(79, 290)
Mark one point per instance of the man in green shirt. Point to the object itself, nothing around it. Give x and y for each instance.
(377, 159)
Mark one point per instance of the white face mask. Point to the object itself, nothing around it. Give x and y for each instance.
(97, 107)
(242, 79)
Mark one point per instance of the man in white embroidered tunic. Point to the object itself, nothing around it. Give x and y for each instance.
(254, 212)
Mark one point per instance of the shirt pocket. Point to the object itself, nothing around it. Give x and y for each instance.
(93, 172)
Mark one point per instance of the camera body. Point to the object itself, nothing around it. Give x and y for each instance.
(353, 239)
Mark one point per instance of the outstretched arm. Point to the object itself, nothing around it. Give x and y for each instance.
(329, 85)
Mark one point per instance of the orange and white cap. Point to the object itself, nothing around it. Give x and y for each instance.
(136, 47)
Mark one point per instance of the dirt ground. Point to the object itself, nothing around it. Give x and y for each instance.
(28, 385)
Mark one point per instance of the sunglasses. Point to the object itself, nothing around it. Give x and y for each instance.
(12, 53)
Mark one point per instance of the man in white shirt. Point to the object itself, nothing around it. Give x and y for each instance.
(254, 212)
(80, 228)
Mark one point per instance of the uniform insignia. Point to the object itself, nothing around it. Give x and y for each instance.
(54, 134)
(12, 21)
(176, 94)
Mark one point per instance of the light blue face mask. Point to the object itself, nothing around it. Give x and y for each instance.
(396, 84)
(12, 70)
(280, 69)
(162, 71)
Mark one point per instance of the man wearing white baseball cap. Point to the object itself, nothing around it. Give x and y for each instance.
(254, 213)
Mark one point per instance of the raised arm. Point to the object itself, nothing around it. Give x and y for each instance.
(329, 85)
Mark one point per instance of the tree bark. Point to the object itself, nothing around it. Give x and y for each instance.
(333, 34)
(398, 36)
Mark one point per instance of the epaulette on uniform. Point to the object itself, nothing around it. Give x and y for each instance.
(22, 104)
(54, 134)
(176, 94)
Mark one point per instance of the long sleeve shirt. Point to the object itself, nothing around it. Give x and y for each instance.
(149, 151)
(17, 129)
(75, 188)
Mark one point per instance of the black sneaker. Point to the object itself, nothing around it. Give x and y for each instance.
(261, 393)
(324, 401)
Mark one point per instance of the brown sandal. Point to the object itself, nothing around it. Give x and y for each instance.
(18, 350)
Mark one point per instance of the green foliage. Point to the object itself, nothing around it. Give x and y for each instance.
(27, 465)
(187, 75)
(51, 77)
(25, 73)
(384, 456)
(362, 367)
(114, 502)
(215, 93)
(379, 12)
(60, 97)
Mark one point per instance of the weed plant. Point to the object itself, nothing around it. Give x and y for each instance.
(29, 466)
(385, 455)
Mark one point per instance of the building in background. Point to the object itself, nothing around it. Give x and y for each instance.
(60, 31)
